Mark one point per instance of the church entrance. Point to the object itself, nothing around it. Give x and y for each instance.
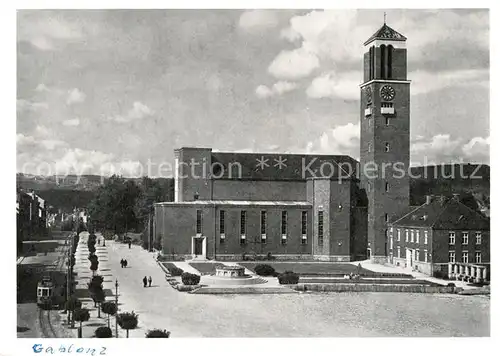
(198, 246)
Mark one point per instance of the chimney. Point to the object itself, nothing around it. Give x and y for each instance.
(428, 199)
(456, 197)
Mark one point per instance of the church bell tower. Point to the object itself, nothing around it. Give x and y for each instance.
(385, 136)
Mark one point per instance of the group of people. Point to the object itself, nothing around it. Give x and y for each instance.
(124, 263)
(145, 281)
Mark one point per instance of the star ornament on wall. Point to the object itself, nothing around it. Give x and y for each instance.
(262, 163)
(280, 162)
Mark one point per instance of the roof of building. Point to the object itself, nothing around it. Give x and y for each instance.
(444, 214)
(276, 166)
(386, 33)
(238, 203)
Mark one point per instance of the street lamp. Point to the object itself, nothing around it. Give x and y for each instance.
(116, 314)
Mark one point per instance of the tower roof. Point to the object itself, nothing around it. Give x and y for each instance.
(386, 33)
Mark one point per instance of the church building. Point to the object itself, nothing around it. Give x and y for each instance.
(299, 206)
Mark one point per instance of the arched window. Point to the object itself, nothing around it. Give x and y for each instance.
(390, 48)
(387, 147)
(372, 62)
(383, 62)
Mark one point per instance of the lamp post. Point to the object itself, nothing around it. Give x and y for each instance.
(116, 314)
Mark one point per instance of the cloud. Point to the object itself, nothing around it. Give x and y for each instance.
(42, 131)
(340, 85)
(71, 122)
(294, 64)
(78, 161)
(442, 148)
(52, 144)
(23, 140)
(46, 30)
(478, 149)
(139, 111)
(42, 88)
(26, 105)
(341, 140)
(75, 96)
(425, 81)
(278, 88)
(258, 20)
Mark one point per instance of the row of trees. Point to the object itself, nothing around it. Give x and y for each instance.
(127, 321)
(121, 205)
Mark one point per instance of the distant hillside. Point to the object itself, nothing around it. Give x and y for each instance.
(467, 180)
(471, 181)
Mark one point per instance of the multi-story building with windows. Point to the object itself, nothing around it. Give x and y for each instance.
(449, 232)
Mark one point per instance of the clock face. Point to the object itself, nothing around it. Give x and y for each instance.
(387, 93)
(368, 91)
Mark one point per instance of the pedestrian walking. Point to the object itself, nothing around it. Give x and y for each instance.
(145, 281)
(99, 242)
(122, 262)
(150, 280)
(125, 263)
(129, 243)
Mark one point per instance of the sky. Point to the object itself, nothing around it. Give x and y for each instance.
(107, 91)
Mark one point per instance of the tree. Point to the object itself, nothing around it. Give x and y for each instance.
(103, 332)
(109, 308)
(112, 207)
(81, 315)
(94, 265)
(128, 321)
(98, 296)
(157, 333)
(73, 304)
(92, 249)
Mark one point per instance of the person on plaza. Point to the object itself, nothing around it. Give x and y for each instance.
(129, 243)
(145, 281)
(122, 262)
(150, 280)
(99, 242)
(125, 263)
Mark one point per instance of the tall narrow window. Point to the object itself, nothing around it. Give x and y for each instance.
(387, 147)
(222, 225)
(389, 61)
(263, 221)
(243, 223)
(386, 217)
(284, 216)
(386, 186)
(304, 228)
(372, 62)
(478, 238)
(451, 256)
(451, 237)
(199, 222)
(478, 257)
(383, 62)
(320, 228)
(387, 121)
(465, 257)
(399, 235)
(369, 147)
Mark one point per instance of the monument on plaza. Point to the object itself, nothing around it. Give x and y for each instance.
(231, 275)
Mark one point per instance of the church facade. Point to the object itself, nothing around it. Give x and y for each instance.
(293, 206)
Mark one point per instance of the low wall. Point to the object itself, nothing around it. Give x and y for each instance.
(353, 287)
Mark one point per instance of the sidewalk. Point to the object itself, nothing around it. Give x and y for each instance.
(83, 276)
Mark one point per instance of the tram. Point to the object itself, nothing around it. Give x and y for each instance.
(50, 292)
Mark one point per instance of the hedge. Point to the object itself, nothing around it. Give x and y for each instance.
(288, 277)
(190, 279)
(264, 270)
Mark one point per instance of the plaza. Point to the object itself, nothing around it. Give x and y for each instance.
(289, 315)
